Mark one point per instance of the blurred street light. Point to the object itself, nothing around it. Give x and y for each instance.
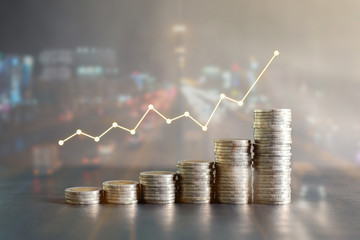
(180, 50)
(179, 28)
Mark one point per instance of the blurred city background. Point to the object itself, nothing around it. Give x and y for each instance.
(68, 65)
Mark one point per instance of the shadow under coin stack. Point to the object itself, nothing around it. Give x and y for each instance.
(121, 191)
(158, 187)
(196, 181)
(233, 161)
(83, 195)
(272, 156)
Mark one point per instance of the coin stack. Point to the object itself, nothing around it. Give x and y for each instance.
(196, 181)
(158, 187)
(121, 191)
(272, 156)
(83, 195)
(233, 161)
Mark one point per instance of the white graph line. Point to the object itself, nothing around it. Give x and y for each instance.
(170, 120)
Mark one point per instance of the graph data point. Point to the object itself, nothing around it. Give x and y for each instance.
(96, 139)
(186, 114)
(240, 103)
(151, 106)
(204, 128)
(222, 96)
(114, 124)
(78, 132)
(168, 121)
(276, 53)
(132, 132)
(61, 142)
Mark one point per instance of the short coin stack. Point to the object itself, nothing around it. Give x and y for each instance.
(233, 161)
(196, 181)
(121, 191)
(272, 156)
(158, 187)
(83, 195)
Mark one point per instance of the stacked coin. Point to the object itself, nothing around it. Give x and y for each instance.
(121, 191)
(272, 156)
(158, 186)
(233, 161)
(83, 195)
(196, 181)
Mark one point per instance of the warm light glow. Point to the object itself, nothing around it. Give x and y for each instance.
(179, 28)
(180, 50)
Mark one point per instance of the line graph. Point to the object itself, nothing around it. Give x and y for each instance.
(186, 114)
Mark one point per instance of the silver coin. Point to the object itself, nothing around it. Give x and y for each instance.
(157, 175)
(196, 163)
(240, 142)
(121, 199)
(157, 183)
(117, 195)
(84, 195)
(160, 201)
(195, 193)
(83, 190)
(82, 202)
(233, 201)
(122, 202)
(120, 184)
(194, 201)
(273, 141)
(195, 168)
(159, 187)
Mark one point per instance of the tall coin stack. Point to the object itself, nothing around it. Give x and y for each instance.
(272, 156)
(196, 181)
(83, 195)
(233, 161)
(121, 191)
(158, 187)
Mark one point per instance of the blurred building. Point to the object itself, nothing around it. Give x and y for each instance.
(56, 65)
(16, 74)
(55, 85)
(96, 73)
(45, 159)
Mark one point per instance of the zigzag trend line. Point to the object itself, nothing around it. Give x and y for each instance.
(170, 120)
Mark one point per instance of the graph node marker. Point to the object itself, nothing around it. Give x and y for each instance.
(168, 121)
(204, 128)
(114, 124)
(240, 103)
(132, 132)
(276, 53)
(61, 142)
(222, 96)
(186, 114)
(96, 139)
(151, 106)
(78, 132)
